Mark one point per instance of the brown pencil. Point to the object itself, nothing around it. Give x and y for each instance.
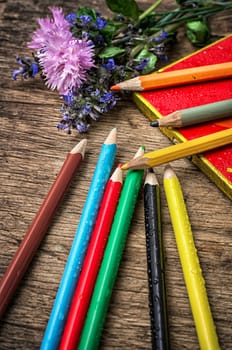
(181, 150)
(39, 226)
(196, 115)
(161, 79)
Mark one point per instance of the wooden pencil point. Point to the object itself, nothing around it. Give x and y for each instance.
(80, 148)
(169, 172)
(117, 174)
(140, 152)
(151, 178)
(112, 137)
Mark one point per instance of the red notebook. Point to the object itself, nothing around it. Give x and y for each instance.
(216, 164)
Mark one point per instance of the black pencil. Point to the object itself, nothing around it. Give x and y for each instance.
(155, 263)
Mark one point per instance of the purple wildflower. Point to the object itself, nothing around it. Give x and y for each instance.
(64, 59)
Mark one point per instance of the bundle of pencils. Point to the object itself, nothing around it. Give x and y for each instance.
(91, 269)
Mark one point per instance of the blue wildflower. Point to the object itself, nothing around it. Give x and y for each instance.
(100, 22)
(109, 101)
(82, 128)
(162, 36)
(64, 127)
(160, 51)
(86, 109)
(110, 65)
(71, 18)
(85, 20)
(68, 99)
(143, 63)
(106, 97)
(27, 68)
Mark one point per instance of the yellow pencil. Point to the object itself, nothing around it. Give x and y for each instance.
(194, 280)
(181, 150)
(177, 77)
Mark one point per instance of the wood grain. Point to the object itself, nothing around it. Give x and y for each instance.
(32, 152)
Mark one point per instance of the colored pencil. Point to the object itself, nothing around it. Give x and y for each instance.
(37, 230)
(196, 115)
(181, 150)
(159, 79)
(111, 260)
(85, 286)
(78, 249)
(155, 262)
(193, 277)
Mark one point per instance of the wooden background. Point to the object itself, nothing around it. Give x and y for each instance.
(32, 152)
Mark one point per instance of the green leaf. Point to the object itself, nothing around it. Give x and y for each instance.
(198, 33)
(86, 11)
(128, 8)
(110, 51)
(108, 31)
(150, 67)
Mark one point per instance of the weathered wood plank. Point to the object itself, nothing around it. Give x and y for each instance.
(32, 152)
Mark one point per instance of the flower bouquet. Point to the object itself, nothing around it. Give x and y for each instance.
(82, 54)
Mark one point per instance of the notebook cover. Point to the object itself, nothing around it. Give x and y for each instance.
(216, 164)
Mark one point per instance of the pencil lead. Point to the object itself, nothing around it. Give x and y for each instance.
(155, 123)
(115, 88)
(124, 167)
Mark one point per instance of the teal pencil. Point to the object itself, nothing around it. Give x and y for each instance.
(111, 260)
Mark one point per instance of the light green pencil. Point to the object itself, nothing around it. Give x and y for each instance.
(111, 260)
(196, 115)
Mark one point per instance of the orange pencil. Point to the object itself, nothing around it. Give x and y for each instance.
(161, 79)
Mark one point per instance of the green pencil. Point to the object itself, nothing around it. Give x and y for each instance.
(109, 267)
(196, 115)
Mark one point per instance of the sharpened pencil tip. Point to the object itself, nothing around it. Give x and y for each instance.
(169, 172)
(80, 148)
(140, 152)
(112, 137)
(151, 178)
(117, 174)
(124, 167)
(115, 88)
(155, 123)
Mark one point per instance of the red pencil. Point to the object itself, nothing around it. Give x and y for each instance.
(83, 292)
(39, 226)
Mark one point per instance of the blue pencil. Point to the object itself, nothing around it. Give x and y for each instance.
(76, 256)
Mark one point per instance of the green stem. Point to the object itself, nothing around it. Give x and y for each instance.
(139, 47)
(150, 9)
